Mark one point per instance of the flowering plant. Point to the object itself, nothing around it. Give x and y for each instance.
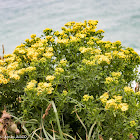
(74, 67)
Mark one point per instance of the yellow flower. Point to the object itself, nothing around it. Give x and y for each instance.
(92, 22)
(118, 98)
(65, 92)
(80, 35)
(63, 62)
(128, 90)
(27, 40)
(123, 106)
(33, 36)
(87, 97)
(31, 85)
(132, 123)
(43, 59)
(116, 74)
(38, 93)
(74, 39)
(59, 70)
(71, 23)
(102, 58)
(12, 66)
(90, 42)
(62, 41)
(49, 37)
(104, 97)
(109, 80)
(121, 55)
(15, 76)
(49, 91)
(3, 80)
(48, 55)
(30, 69)
(47, 30)
(100, 31)
(50, 77)
(85, 50)
(44, 87)
(137, 93)
(97, 51)
(117, 42)
(50, 49)
(111, 104)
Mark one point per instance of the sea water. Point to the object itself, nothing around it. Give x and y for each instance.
(120, 19)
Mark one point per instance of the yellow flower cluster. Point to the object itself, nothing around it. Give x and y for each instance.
(137, 93)
(128, 90)
(109, 80)
(50, 77)
(49, 38)
(85, 50)
(80, 35)
(3, 80)
(31, 85)
(69, 24)
(63, 62)
(12, 66)
(3, 70)
(33, 36)
(132, 123)
(100, 31)
(62, 41)
(113, 103)
(64, 93)
(47, 30)
(44, 87)
(107, 46)
(97, 51)
(2, 63)
(123, 106)
(109, 55)
(21, 71)
(121, 55)
(102, 58)
(58, 71)
(116, 74)
(90, 42)
(104, 97)
(19, 51)
(117, 98)
(117, 42)
(30, 69)
(74, 39)
(92, 22)
(48, 55)
(9, 59)
(13, 75)
(88, 62)
(87, 97)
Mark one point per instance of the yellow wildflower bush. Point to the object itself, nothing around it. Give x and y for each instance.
(73, 67)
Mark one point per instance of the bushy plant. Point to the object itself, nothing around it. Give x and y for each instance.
(81, 73)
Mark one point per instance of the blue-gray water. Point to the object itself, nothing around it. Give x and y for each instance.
(120, 19)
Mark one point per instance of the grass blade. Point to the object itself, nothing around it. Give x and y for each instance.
(90, 131)
(81, 123)
(57, 119)
(45, 133)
